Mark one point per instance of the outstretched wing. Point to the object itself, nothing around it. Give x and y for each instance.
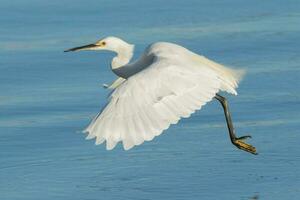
(150, 101)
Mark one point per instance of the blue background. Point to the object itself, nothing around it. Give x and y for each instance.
(47, 97)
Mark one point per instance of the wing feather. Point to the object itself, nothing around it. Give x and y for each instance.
(148, 102)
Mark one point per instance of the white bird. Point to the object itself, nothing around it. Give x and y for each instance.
(166, 83)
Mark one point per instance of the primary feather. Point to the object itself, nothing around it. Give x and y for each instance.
(167, 83)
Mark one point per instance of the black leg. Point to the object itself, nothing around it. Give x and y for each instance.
(237, 141)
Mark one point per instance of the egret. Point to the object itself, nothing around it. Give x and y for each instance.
(166, 83)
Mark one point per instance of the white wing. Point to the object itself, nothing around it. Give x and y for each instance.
(150, 101)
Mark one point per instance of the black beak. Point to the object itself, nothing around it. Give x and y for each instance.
(85, 47)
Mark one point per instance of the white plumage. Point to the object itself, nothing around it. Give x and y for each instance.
(166, 83)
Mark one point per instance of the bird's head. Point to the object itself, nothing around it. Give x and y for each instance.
(109, 43)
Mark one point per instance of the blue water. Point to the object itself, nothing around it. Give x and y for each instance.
(48, 96)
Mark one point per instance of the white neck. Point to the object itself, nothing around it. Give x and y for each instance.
(124, 55)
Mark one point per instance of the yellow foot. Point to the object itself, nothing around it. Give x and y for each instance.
(244, 146)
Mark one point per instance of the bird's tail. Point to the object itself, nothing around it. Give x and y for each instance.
(230, 78)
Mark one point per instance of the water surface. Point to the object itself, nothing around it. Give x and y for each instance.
(48, 96)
